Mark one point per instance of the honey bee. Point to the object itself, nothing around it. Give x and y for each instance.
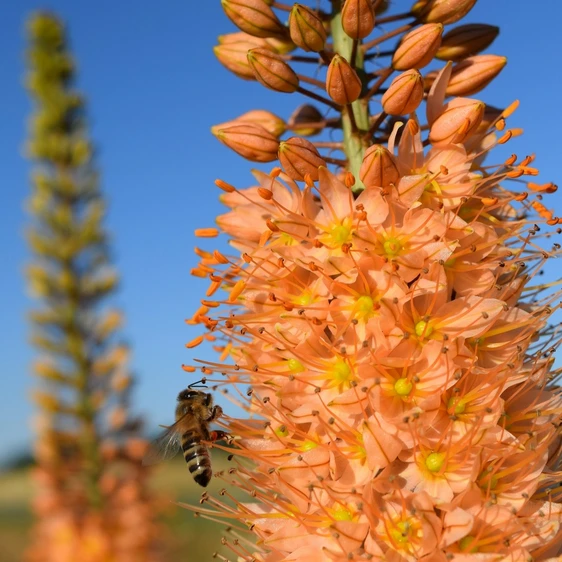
(194, 412)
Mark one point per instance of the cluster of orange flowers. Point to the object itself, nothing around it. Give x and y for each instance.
(385, 317)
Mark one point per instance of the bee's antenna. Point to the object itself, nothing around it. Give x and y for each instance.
(201, 383)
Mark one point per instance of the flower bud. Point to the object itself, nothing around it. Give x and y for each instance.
(358, 18)
(442, 11)
(306, 29)
(418, 47)
(269, 121)
(342, 82)
(252, 142)
(404, 94)
(234, 56)
(474, 73)
(272, 71)
(300, 157)
(378, 168)
(458, 122)
(309, 115)
(279, 46)
(466, 40)
(254, 17)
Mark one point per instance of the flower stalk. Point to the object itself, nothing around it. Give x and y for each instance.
(381, 320)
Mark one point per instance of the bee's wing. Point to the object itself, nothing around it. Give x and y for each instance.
(164, 447)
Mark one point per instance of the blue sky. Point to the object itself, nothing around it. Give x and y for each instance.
(154, 89)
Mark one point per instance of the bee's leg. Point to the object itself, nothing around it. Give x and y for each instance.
(216, 412)
(219, 436)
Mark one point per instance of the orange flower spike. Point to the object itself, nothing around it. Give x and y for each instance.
(358, 18)
(253, 142)
(307, 29)
(272, 71)
(254, 17)
(442, 11)
(342, 82)
(418, 47)
(299, 157)
(466, 40)
(474, 73)
(404, 94)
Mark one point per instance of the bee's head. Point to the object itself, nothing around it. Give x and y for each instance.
(187, 394)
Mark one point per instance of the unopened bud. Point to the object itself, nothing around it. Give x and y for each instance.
(342, 82)
(234, 56)
(300, 157)
(272, 71)
(269, 121)
(458, 122)
(254, 17)
(404, 94)
(378, 168)
(279, 46)
(312, 120)
(306, 29)
(252, 142)
(442, 11)
(418, 47)
(474, 73)
(466, 40)
(358, 18)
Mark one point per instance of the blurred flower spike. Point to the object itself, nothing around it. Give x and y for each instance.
(381, 318)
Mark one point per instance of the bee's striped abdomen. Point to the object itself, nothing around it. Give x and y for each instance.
(197, 458)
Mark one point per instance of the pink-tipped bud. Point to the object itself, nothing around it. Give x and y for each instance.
(306, 29)
(404, 94)
(234, 56)
(309, 117)
(342, 82)
(252, 142)
(442, 11)
(358, 18)
(299, 157)
(474, 73)
(272, 71)
(466, 40)
(458, 122)
(254, 17)
(418, 47)
(378, 168)
(269, 121)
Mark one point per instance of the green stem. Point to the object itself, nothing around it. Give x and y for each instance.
(354, 125)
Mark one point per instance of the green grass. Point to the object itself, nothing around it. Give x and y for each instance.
(186, 538)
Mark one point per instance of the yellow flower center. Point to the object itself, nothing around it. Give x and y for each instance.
(400, 534)
(364, 307)
(287, 240)
(304, 299)
(392, 246)
(458, 405)
(308, 446)
(341, 372)
(487, 480)
(434, 461)
(403, 387)
(295, 366)
(341, 513)
(423, 329)
(465, 544)
(281, 431)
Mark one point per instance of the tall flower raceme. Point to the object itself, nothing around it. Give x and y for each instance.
(93, 503)
(381, 318)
